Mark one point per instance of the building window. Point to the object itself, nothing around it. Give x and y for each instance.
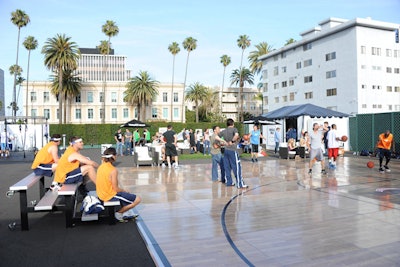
(46, 97)
(331, 74)
(389, 89)
(330, 56)
(165, 97)
(265, 87)
(34, 112)
(291, 96)
(331, 92)
(396, 53)
(390, 107)
(78, 114)
(46, 113)
(308, 79)
(276, 85)
(378, 87)
(284, 98)
(101, 97)
(308, 95)
(388, 69)
(114, 97)
(276, 58)
(101, 113)
(298, 65)
(363, 86)
(78, 98)
(276, 99)
(397, 89)
(307, 62)
(33, 96)
(376, 68)
(397, 70)
(363, 50)
(165, 113)
(376, 51)
(376, 106)
(284, 69)
(284, 84)
(176, 112)
(276, 71)
(388, 52)
(154, 113)
(90, 113)
(307, 46)
(113, 113)
(283, 55)
(176, 98)
(364, 106)
(90, 97)
(363, 67)
(126, 113)
(291, 81)
(265, 74)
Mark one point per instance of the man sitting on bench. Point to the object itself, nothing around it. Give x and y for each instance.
(46, 159)
(72, 166)
(107, 187)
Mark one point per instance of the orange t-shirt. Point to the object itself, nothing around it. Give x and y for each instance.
(385, 142)
(64, 166)
(43, 156)
(104, 188)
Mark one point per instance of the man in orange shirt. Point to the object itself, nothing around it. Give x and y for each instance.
(385, 145)
(46, 159)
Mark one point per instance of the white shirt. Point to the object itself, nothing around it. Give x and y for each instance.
(332, 142)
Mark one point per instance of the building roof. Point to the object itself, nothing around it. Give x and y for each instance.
(93, 51)
(303, 110)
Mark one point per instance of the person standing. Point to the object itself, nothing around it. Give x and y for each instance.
(73, 166)
(255, 136)
(107, 187)
(385, 145)
(315, 147)
(231, 157)
(147, 135)
(171, 140)
(326, 130)
(333, 146)
(128, 142)
(119, 138)
(4, 149)
(216, 155)
(277, 139)
(192, 142)
(206, 142)
(46, 159)
(136, 137)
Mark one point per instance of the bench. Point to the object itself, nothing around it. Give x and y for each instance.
(47, 200)
(109, 210)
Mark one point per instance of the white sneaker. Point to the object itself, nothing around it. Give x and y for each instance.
(119, 216)
(163, 165)
(176, 166)
(129, 214)
(55, 186)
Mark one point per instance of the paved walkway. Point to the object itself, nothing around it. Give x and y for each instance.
(285, 218)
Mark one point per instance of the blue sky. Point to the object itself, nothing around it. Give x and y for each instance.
(148, 27)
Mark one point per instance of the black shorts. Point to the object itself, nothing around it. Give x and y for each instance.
(170, 150)
(254, 148)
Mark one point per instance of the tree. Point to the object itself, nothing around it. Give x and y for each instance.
(290, 41)
(263, 48)
(30, 43)
(225, 60)
(189, 44)
(174, 50)
(243, 42)
(141, 90)
(196, 93)
(16, 71)
(110, 29)
(239, 78)
(60, 54)
(20, 81)
(20, 19)
(71, 87)
(210, 100)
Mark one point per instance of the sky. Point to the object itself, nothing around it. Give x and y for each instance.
(147, 28)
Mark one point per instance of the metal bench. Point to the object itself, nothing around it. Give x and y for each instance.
(109, 209)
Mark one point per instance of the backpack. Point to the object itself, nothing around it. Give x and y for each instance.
(92, 204)
(364, 152)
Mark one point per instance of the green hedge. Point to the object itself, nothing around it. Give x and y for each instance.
(96, 134)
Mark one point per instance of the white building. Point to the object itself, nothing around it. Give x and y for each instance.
(231, 106)
(88, 106)
(352, 66)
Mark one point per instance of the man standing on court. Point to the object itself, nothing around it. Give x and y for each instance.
(231, 157)
(333, 146)
(385, 145)
(277, 139)
(46, 159)
(315, 148)
(255, 136)
(216, 155)
(72, 166)
(119, 138)
(170, 146)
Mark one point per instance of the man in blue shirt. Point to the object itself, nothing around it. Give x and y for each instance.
(255, 136)
(277, 139)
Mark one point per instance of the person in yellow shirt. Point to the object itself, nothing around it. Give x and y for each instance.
(107, 187)
(73, 166)
(385, 145)
(46, 159)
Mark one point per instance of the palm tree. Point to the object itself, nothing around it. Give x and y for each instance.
(174, 49)
(196, 92)
(110, 29)
(20, 19)
(189, 44)
(263, 48)
(71, 87)
(60, 54)
(16, 71)
(240, 77)
(225, 60)
(243, 42)
(141, 90)
(20, 81)
(210, 100)
(290, 41)
(30, 43)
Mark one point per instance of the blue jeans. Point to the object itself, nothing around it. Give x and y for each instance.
(217, 159)
(206, 147)
(128, 148)
(276, 147)
(120, 151)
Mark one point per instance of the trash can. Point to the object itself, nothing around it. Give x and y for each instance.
(104, 147)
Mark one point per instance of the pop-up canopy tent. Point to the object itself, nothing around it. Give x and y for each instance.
(134, 123)
(259, 120)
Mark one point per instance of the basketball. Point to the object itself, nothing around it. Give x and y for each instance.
(246, 137)
(370, 164)
(344, 138)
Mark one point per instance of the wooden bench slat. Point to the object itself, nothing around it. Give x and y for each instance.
(47, 201)
(26, 182)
